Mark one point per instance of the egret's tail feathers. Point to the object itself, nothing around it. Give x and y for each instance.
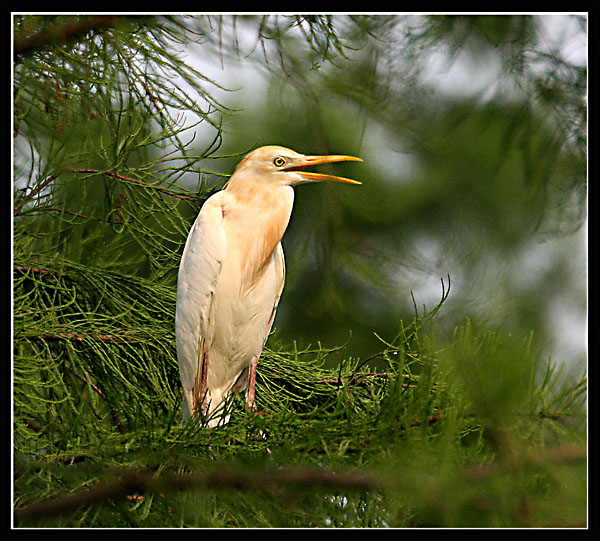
(219, 406)
(215, 408)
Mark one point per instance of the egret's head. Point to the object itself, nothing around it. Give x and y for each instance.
(284, 166)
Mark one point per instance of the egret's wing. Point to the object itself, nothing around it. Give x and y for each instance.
(279, 261)
(203, 255)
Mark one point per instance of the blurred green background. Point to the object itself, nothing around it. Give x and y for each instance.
(473, 135)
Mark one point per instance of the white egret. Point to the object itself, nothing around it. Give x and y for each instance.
(231, 277)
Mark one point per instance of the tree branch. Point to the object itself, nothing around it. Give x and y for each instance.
(53, 34)
(140, 481)
(134, 481)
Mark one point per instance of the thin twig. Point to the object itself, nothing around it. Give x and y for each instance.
(55, 209)
(136, 181)
(97, 389)
(354, 379)
(31, 269)
(34, 192)
(81, 338)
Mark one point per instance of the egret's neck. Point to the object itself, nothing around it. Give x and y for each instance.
(257, 220)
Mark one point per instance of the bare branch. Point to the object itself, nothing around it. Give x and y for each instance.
(61, 32)
(134, 481)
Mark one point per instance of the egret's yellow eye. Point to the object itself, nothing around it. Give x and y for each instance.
(279, 161)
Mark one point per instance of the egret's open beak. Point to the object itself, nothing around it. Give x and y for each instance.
(307, 161)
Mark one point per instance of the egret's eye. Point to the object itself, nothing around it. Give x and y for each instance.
(279, 161)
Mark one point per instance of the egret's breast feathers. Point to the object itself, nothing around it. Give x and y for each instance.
(257, 225)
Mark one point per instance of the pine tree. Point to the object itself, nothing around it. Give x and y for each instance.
(467, 428)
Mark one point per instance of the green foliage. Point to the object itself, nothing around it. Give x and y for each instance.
(439, 420)
(454, 432)
(102, 145)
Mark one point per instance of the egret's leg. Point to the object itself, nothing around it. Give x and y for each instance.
(251, 383)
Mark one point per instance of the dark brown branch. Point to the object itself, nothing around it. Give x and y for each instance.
(138, 482)
(53, 34)
(563, 454)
